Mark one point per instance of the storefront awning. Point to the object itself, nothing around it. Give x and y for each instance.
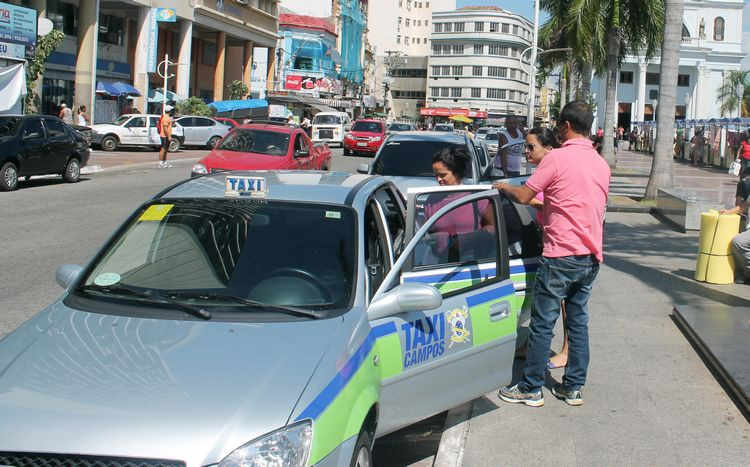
(239, 104)
(108, 89)
(126, 89)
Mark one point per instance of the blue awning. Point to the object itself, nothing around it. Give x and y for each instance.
(126, 89)
(108, 89)
(240, 104)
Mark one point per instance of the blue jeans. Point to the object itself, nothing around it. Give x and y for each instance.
(568, 278)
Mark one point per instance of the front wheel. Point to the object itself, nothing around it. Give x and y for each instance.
(213, 142)
(72, 171)
(347, 152)
(9, 177)
(109, 143)
(174, 145)
(362, 456)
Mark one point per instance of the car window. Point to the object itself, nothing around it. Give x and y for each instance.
(121, 120)
(202, 122)
(409, 158)
(33, 129)
(153, 122)
(55, 128)
(9, 125)
(443, 128)
(482, 154)
(523, 241)
(326, 120)
(399, 127)
(394, 216)
(222, 247)
(300, 143)
(369, 127)
(256, 141)
(186, 121)
(136, 122)
(376, 258)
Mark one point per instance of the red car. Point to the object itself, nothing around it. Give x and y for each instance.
(365, 136)
(265, 147)
(227, 121)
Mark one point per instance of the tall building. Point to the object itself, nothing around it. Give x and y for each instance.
(475, 67)
(399, 33)
(711, 48)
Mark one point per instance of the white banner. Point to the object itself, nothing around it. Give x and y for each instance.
(12, 88)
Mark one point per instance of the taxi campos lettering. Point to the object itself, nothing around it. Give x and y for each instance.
(424, 338)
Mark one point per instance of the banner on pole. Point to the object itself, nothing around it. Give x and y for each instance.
(153, 41)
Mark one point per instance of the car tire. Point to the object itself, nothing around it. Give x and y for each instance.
(213, 142)
(174, 145)
(362, 456)
(347, 152)
(109, 143)
(9, 177)
(72, 171)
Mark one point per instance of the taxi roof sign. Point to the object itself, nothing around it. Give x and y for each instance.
(238, 185)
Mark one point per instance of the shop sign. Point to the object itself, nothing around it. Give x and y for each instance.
(312, 84)
(445, 112)
(12, 50)
(17, 25)
(166, 15)
(153, 41)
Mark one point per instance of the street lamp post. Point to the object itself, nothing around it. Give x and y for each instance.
(654, 102)
(532, 80)
(740, 90)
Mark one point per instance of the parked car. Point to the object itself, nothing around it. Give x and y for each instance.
(492, 138)
(265, 147)
(482, 132)
(444, 127)
(366, 136)
(133, 130)
(330, 127)
(39, 145)
(269, 318)
(201, 131)
(400, 126)
(230, 122)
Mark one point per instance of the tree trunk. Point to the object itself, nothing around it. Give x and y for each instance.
(662, 167)
(573, 90)
(613, 46)
(563, 85)
(586, 81)
(569, 82)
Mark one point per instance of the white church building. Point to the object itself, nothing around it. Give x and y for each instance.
(711, 48)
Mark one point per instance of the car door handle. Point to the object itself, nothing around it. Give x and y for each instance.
(499, 311)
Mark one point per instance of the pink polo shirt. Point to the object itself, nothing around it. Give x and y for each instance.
(575, 181)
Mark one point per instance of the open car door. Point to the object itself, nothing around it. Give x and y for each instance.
(463, 347)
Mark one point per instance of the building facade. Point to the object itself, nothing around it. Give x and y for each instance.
(210, 42)
(307, 54)
(475, 62)
(399, 35)
(711, 48)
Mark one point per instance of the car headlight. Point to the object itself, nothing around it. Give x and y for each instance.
(289, 446)
(348, 136)
(200, 169)
(375, 139)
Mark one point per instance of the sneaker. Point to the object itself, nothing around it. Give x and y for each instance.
(514, 395)
(164, 165)
(571, 397)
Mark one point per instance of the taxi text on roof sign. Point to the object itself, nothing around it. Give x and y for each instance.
(255, 187)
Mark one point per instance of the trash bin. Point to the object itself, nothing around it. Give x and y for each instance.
(715, 263)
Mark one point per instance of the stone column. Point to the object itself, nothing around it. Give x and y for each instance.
(247, 65)
(85, 71)
(183, 63)
(221, 40)
(140, 67)
(640, 114)
(701, 96)
(271, 78)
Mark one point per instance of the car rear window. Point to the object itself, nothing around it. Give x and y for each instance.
(369, 127)
(272, 143)
(399, 127)
(326, 120)
(9, 125)
(408, 158)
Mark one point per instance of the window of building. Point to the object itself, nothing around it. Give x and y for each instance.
(683, 81)
(719, 29)
(209, 53)
(408, 94)
(503, 72)
(493, 27)
(408, 21)
(303, 63)
(426, 22)
(512, 95)
(513, 73)
(455, 92)
(406, 40)
(427, 4)
(419, 22)
(479, 26)
(398, 41)
(448, 27)
(476, 70)
(515, 30)
(437, 49)
(446, 70)
(506, 27)
(458, 49)
(64, 16)
(495, 93)
(400, 2)
(652, 78)
(458, 27)
(514, 52)
(435, 70)
(416, 40)
(458, 70)
(626, 77)
(493, 71)
(476, 92)
(409, 73)
(434, 92)
(447, 49)
(444, 92)
(478, 49)
(437, 27)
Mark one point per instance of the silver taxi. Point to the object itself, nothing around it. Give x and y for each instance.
(270, 318)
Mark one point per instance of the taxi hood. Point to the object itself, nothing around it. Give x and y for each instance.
(104, 128)
(234, 160)
(87, 383)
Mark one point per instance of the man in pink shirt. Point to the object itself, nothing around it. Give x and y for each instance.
(575, 181)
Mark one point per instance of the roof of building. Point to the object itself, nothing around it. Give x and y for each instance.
(307, 22)
(483, 7)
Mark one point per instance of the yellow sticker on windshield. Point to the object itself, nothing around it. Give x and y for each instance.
(156, 212)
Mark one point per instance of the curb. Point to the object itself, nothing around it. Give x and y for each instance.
(91, 169)
(456, 430)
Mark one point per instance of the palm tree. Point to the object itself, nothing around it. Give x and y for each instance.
(662, 166)
(727, 93)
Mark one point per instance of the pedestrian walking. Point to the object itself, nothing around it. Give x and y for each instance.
(574, 180)
(66, 115)
(82, 116)
(743, 154)
(165, 134)
(306, 125)
(632, 139)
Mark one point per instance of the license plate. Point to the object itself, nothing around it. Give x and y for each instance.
(363, 145)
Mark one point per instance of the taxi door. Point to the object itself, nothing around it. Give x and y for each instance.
(465, 347)
(136, 131)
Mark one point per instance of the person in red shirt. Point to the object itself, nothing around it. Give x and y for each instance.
(743, 154)
(575, 182)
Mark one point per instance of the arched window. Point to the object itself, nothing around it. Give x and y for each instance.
(685, 32)
(719, 28)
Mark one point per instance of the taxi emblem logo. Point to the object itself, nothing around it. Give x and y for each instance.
(458, 326)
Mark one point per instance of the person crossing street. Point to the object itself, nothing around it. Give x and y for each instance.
(165, 134)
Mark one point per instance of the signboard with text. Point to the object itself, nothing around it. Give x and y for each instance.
(445, 112)
(17, 25)
(312, 84)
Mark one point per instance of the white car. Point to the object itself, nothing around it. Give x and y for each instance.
(329, 127)
(201, 131)
(134, 130)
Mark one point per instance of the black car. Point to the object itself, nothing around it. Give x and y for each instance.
(39, 145)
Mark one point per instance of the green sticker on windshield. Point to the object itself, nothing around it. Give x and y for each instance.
(333, 215)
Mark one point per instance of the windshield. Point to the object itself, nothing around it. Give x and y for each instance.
(272, 143)
(326, 120)
(368, 127)
(482, 131)
(213, 248)
(492, 136)
(9, 125)
(409, 158)
(121, 120)
(399, 127)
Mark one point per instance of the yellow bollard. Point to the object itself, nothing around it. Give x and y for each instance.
(715, 263)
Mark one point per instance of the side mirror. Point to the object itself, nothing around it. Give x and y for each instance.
(301, 153)
(405, 297)
(363, 168)
(67, 274)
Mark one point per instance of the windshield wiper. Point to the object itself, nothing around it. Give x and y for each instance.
(149, 294)
(244, 301)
